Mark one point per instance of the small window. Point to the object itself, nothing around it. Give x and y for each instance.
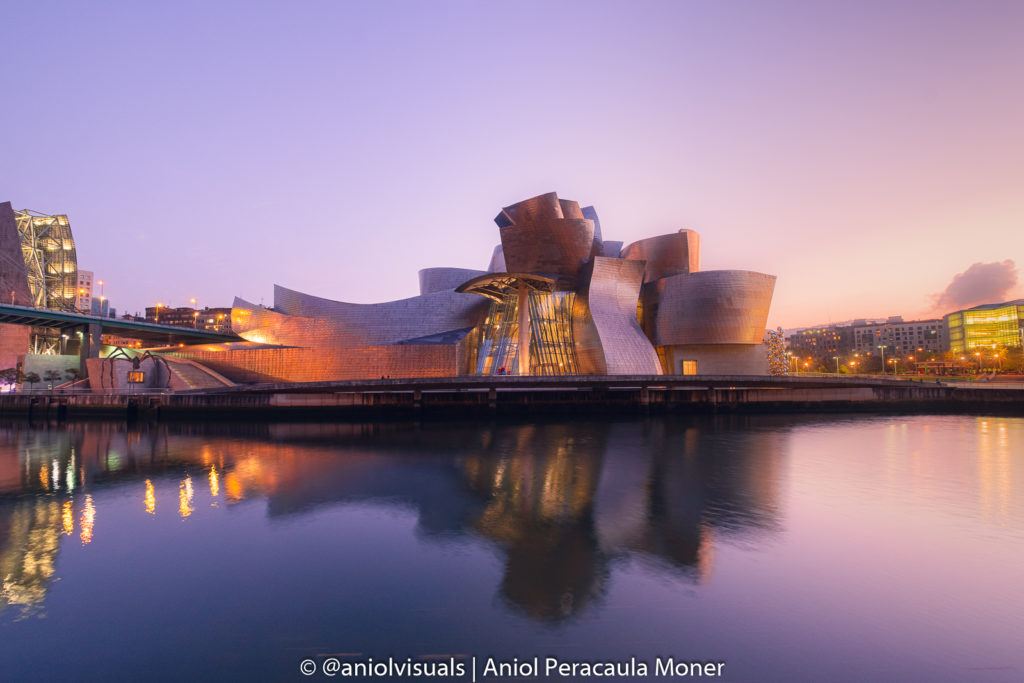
(689, 367)
(136, 377)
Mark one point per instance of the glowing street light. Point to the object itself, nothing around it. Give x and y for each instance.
(836, 359)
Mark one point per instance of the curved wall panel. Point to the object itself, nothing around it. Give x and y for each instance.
(536, 208)
(264, 326)
(497, 264)
(557, 245)
(666, 255)
(388, 322)
(570, 209)
(608, 337)
(712, 307)
(440, 279)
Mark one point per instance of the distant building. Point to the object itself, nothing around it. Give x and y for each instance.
(986, 326)
(120, 340)
(83, 291)
(185, 316)
(101, 307)
(900, 336)
(821, 341)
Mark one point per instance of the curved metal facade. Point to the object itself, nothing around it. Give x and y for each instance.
(545, 234)
(497, 262)
(712, 307)
(609, 340)
(549, 245)
(389, 322)
(666, 255)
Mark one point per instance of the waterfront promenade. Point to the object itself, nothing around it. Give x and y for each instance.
(463, 396)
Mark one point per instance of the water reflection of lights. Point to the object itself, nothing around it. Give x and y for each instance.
(233, 487)
(995, 482)
(68, 518)
(185, 497)
(214, 482)
(88, 520)
(150, 498)
(69, 474)
(44, 477)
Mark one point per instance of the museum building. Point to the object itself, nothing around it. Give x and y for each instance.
(555, 299)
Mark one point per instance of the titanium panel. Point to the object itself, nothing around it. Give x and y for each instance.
(609, 340)
(666, 255)
(590, 213)
(539, 207)
(497, 263)
(383, 323)
(548, 245)
(712, 307)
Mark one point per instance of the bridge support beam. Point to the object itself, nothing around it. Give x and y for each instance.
(91, 340)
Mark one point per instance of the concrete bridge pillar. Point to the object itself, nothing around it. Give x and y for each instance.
(90, 348)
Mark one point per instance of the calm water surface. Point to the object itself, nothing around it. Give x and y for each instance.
(818, 549)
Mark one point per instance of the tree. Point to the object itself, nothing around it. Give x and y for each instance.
(73, 374)
(51, 376)
(778, 364)
(9, 376)
(32, 378)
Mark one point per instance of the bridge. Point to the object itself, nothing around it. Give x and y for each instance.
(93, 327)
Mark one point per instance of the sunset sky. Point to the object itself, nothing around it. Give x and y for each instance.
(864, 152)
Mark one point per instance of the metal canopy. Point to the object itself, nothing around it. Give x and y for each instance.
(497, 286)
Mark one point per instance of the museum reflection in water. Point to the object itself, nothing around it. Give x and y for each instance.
(561, 500)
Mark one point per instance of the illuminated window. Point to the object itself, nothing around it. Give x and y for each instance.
(136, 376)
(689, 367)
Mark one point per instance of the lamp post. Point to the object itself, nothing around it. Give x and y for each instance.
(836, 359)
(158, 307)
(883, 358)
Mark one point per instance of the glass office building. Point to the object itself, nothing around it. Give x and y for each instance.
(986, 327)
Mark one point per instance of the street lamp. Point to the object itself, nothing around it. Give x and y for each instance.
(883, 358)
(158, 307)
(836, 359)
(853, 364)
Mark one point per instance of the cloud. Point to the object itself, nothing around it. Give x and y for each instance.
(982, 283)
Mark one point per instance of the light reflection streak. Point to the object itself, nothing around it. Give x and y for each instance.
(150, 498)
(69, 474)
(185, 497)
(88, 520)
(68, 518)
(214, 482)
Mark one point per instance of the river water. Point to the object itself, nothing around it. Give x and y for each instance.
(783, 548)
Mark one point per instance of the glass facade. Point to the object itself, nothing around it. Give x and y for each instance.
(986, 327)
(551, 342)
(49, 252)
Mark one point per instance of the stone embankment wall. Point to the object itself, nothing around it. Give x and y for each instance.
(460, 399)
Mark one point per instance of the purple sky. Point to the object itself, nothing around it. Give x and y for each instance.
(864, 152)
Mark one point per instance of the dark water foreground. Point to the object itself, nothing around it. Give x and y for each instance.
(789, 549)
